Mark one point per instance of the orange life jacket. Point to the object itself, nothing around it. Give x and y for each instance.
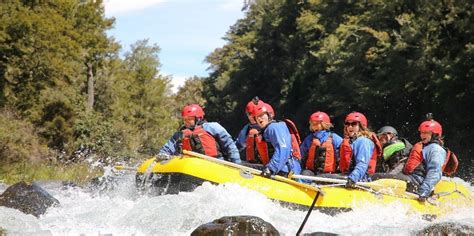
(265, 150)
(345, 154)
(449, 167)
(257, 149)
(199, 140)
(321, 156)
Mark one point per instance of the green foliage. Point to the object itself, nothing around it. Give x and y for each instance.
(392, 60)
(144, 104)
(18, 141)
(190, 93)
(61, 76)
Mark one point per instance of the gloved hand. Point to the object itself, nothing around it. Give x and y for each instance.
(267, 173)
(422, 198)
(350, 183)
(163, 156)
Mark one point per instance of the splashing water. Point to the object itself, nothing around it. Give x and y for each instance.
(122, 211)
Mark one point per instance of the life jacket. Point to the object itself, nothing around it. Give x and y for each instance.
(257, 149)
(265, 150)
(451, 163)
(346, 162)
(321, 158)
(415, 161)
(199, 140)
(295, 138)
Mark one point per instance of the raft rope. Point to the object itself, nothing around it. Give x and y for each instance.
(309, 213)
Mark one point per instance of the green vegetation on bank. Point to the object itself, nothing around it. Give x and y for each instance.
(42, 170)
(67, 96)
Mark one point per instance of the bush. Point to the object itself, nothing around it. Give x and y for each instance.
(18, 140)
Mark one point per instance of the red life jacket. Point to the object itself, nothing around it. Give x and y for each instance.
(256, 148)
(321, 156)
(295, 138)
(199, 140)
(345, 154)
(415, 160)
(265, 150)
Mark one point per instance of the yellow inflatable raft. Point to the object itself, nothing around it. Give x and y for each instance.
(184, 173)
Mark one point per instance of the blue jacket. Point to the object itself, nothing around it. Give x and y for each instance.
(362, 149)
(278, 135)
(241, 141)
(226, 144)
(322, 135)
(433, 159)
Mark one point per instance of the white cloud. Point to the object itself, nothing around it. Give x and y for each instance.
(115, 7)
(178, 81)
(231, 5)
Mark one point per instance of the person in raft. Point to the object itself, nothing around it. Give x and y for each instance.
(359, 150)
(395, 151)
(246, 139)
(276, 145)
(320, 149)
(429, 159)
(198, 135)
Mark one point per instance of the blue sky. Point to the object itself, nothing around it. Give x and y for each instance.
(186, 30)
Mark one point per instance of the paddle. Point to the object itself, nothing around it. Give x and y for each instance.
(250, 170)
(386, 186)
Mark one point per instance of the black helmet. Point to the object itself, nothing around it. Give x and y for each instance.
(387, 129)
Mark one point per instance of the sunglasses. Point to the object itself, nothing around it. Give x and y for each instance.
(354, 123)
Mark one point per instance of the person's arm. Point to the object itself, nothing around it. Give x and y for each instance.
(241, 141)
(170, 147)
(282, 147)
(434, 156)
(362, 150)
(225, 141)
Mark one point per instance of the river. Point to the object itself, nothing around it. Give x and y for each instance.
(122, 211)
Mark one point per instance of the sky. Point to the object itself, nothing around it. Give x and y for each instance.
(185, 30)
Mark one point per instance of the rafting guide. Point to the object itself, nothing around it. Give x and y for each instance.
(198, 135)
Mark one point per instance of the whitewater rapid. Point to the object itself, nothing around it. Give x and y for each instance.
(122, 211)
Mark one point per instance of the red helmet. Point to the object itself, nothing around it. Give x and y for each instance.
(252, 104)
(262, 108)
(431, 125)
(356, 116)
(320, 116)
(192, 110)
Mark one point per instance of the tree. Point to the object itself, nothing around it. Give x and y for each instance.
(144, 101)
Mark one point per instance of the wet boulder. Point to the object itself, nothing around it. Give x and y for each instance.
(236, 225)
(447, 228)
(28, 198)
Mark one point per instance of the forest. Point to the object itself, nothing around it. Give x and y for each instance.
(67, 94)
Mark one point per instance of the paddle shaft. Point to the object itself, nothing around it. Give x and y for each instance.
(250, 170)
(223, 162)
(370, 185)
